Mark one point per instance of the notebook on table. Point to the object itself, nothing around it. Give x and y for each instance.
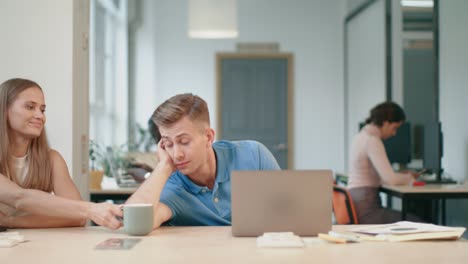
(298, 201)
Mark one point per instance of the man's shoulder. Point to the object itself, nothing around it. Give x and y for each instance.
(238, 144)
(242, 154)
(175, 182)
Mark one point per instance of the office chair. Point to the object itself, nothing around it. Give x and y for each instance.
(343, 206)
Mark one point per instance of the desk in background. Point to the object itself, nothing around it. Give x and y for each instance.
(216, 245)
(436, 192)
(116, 194)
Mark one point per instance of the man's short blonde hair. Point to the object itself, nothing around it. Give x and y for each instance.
(179, 106)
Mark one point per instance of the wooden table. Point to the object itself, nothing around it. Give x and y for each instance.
(216, 245)
(436, 192)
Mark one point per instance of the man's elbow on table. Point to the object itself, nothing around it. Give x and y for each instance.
(162, 213)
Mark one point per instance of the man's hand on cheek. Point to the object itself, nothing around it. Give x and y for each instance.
(164, 156)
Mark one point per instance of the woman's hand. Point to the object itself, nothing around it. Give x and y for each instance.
(414, 174)
(3, 218)
(105, 214)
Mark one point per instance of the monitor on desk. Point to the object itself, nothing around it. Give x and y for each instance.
(433, 148)
(398, 147)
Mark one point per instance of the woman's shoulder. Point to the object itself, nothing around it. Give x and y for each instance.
(373, 142)
(366, 141)
(54, 155)
(368, 133)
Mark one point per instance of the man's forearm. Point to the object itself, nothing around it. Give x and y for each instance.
(150, 190)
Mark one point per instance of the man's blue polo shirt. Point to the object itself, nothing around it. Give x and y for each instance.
(194, 205)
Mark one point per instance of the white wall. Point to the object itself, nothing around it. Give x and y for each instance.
(366, 66)
(351, 5)
(36, 43)
(397, 52)
(144, 43)
(453, 79)
(311, 30)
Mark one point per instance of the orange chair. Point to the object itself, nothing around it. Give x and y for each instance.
(343, 206)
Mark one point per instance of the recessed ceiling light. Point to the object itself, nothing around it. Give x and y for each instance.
(417, 3)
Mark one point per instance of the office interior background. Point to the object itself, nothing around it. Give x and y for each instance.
(48, 41)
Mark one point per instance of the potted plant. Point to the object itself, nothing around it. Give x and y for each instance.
(95, 175)
(112, 161)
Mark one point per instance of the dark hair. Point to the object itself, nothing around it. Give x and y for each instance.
(388, 111)
(179, 106)
(154, 130)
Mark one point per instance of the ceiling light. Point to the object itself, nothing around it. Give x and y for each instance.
(417, 3)
(213, 19)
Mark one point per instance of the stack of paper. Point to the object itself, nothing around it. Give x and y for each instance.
(408, 231)
(10, 239)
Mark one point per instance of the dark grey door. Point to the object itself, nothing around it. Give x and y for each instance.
(254, 102)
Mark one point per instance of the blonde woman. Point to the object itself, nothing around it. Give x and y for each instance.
(36, 190)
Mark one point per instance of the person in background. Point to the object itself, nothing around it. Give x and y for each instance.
(191, 184)
(369, 166)
(36, 189)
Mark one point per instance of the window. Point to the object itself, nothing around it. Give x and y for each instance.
(108, 95)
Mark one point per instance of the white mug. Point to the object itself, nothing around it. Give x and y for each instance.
(138, 219)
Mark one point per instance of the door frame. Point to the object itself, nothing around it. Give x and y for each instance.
(290, 115)
(80, 110)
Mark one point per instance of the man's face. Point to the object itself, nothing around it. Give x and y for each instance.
(187, 143)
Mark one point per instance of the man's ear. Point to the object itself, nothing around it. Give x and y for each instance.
(210, 134)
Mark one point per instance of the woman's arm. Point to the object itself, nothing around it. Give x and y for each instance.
(63, 184)
(379, 159)
(37, 202)
(39, 221)
(64, 187)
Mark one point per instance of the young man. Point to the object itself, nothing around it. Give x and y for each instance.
(191, 185)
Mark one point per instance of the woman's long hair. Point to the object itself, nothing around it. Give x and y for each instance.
(40, 172)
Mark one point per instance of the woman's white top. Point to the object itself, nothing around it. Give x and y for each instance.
(368, 162)
(21, 167)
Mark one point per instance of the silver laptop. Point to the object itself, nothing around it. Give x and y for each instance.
(298, 201)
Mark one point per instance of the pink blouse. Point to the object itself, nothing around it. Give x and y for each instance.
(368, 162)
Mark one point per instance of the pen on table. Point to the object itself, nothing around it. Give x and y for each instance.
(349, 238)
(333, 239)
(338, 238)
